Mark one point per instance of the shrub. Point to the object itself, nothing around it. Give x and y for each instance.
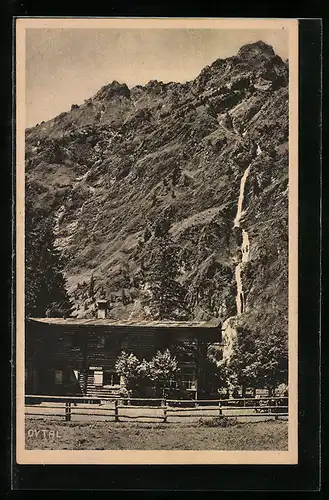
(124, 394)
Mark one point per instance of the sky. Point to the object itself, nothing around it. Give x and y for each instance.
(67, 66)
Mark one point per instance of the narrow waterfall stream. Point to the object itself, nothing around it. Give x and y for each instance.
(228, 327)
(244, 247)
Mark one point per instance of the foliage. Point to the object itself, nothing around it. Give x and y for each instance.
(259, 360)
(186, 351)
(162, 368)
(166, 296)
(45, 286)
(147, 234)
(132, 370)
(139, 374)
(175, 175)
(127, 366)
(216, 376)
(124, 393)
(91, 290)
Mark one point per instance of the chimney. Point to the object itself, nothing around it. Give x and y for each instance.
(101, 309)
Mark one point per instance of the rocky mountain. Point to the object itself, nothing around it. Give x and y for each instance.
(114, 167)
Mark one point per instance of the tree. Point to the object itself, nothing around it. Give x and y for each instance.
(274, 368)
(138, 374)
(244, 365)
(258, 360)
(215, 376)
(45, 286)
(133, 372)
(228, 121)
(147, 234)
(163, 223)
(166, 296)
(162, 368)
(91, 289)
(175, 175)
(160, 271)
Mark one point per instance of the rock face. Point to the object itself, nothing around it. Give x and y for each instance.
(111, 168)
(258, 50)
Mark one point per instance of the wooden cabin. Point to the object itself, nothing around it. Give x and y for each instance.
(77, 356)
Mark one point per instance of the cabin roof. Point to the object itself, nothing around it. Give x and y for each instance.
(110, 322)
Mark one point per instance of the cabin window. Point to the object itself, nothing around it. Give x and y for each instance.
(58, 377)
(172, 384)
(188, 378)
(111, 378)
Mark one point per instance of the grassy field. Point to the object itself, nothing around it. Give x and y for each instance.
(47, 434)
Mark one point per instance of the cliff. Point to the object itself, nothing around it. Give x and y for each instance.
(112, 168)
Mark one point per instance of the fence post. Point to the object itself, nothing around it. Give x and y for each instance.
(116, 411)
(68, 411)
(275, 408)
(220, 409)
(164, 404)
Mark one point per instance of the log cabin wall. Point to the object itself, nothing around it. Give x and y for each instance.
(60, 358)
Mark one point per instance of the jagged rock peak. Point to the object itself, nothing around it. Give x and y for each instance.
(256, 49)
(157, 85)
(113, 89)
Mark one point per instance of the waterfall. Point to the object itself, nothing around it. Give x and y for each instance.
(228, 327)
(229, 335)
(241, 197)
(244, 246)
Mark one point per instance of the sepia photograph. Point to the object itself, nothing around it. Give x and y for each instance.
(157, 216)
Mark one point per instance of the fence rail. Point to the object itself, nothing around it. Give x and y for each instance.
(120, 409)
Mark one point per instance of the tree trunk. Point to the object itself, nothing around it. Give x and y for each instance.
(271, 390)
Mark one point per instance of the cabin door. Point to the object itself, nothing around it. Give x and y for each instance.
(95, 377)
(98, 378)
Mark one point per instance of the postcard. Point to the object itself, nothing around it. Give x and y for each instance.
(157, 226)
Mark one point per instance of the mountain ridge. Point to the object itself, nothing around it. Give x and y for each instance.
(112, 168)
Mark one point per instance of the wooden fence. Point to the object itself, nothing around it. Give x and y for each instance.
(115, 408)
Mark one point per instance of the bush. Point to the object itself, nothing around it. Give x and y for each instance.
(124, 394)
(219, 421)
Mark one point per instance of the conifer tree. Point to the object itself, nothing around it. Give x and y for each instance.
(175, 175)
(45, 286)
(91, 290)
(167, 296)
